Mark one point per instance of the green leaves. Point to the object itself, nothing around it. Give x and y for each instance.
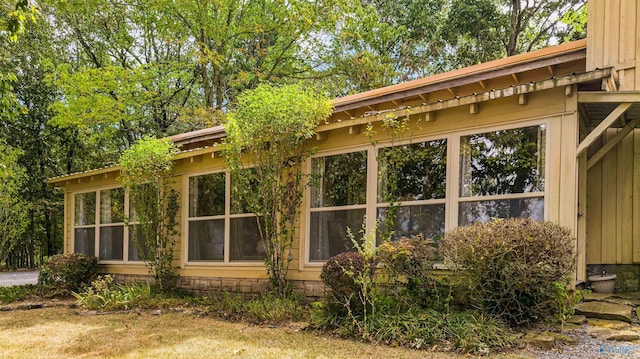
(13, 209)
(267, 132)
(147, 161)
(276, 114)
(146, 167)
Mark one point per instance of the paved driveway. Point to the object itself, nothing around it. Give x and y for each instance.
(8, 279)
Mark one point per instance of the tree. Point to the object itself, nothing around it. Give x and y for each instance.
(13, 210)
(265, 148)
(13, 15)
(482, 30)
(146, 168)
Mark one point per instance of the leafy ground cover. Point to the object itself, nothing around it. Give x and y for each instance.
(64, 332)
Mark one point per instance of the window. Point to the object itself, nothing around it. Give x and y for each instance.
(502, 175)
(84, 231)
(99, 228)
(497, 174)
(111, 224)
(218, 215)
(413, 177)
(338, 202)
(244, 234)
(137, 244)
(206, 217)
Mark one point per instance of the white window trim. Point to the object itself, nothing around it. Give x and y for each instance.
(452, 198)
(456, 198)
(97, 225)
(370, 213)
(227, 217)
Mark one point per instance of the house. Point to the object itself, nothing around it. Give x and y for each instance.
(549, 134)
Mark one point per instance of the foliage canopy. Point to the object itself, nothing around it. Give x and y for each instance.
(265, 149)
(146, 168)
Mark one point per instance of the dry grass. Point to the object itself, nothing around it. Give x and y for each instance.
(63, 333)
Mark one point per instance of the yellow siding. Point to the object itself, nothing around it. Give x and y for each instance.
(612, 39)
(613, 195)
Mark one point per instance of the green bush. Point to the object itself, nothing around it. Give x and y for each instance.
(68, 271)
(341, 272)
(512, 267)
(408, 265)
(104, 294)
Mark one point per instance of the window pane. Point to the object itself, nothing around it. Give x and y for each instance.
(206, 240)
(412, 172)
(240, 187)
(342, 180)
(112, 205)
(329, 232)
(412, 220)
(206, 195)
(85, 209)
(137, 244)
(111, 243)
(245, 240)
(483, 211)
(84, 241)
(502, 162)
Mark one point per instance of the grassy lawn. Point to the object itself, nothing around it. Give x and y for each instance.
(63, 332)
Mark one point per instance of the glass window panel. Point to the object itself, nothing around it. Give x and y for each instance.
(483, 211)
(133, 217)
(137, 244)
(329, 232)
(206, 195)
(427, 220)
(84, 241)
(111, 243)
(503, 162)
(240, 187)
(85, 209)
(244, 240)
(206, 240)
(342, 180)
(112, 205)
(412, 172)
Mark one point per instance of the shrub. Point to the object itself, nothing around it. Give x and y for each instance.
(342, 274)
(408, 263)
(68, 271)
(418, 328)
(104, 294)
(269, 308)
(512, 267)
(275, 309)
(17, 292)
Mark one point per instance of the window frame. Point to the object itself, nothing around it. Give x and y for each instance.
(424, 202)
(456, 198)
(98, 225)
(452, 197)
(370, 191)
(227, 217)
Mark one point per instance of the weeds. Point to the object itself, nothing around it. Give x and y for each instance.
(104, 294)
(268, 308)
(17, 293)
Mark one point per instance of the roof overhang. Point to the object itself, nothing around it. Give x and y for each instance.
(564, 81)
(511, 66)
